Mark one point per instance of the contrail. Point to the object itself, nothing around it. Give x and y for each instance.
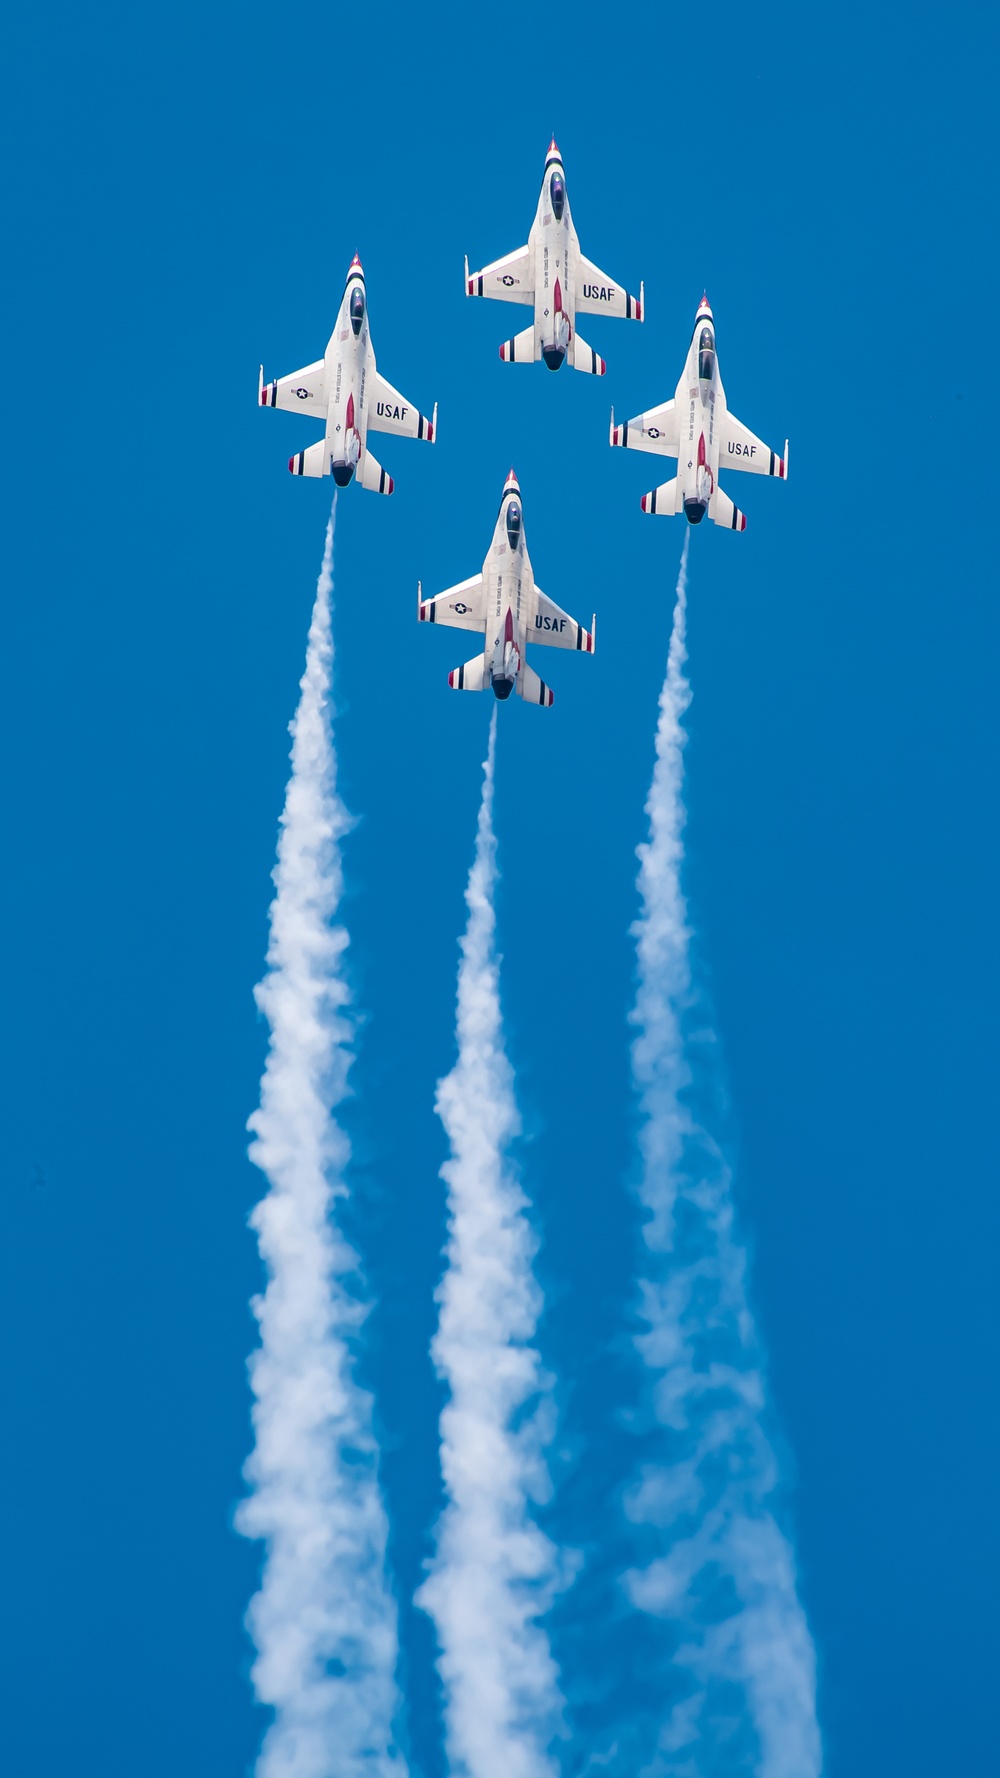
(324, 1620)
(726, 1583)
(494, 1573)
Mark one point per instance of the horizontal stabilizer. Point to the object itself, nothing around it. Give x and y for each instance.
(470, 677)
(372, 476)
(534, 690)
(585, 358)
(314, 461)
(722, 511)
(521, 349)
(663, 500)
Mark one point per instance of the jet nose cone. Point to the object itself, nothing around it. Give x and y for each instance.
(512, 481)
(355, 266)
(553, 151)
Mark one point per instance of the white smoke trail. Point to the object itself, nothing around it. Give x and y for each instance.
(726, 1583)
(494, 1573)
(324, 1622)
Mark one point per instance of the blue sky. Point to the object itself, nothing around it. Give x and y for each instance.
(186, 189)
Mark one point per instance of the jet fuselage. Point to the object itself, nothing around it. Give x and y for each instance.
(348, 360)
(507, 581)
(555, 247)
(699, 401)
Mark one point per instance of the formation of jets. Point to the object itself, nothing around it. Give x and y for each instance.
(503, 603)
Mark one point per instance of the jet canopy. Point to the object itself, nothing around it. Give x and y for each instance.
(706, 354)
(513, 524)
(557, 192)
(357, 309)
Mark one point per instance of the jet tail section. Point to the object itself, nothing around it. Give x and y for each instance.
(522, 348)
(373, 477)
(662, 500)
(722, 511)
(314, 461)
(585, 358)
(471, 676)
(534, 690)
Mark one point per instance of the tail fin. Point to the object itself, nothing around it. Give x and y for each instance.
(662, 500)
(470, 677)
(532, 689)
(314, 461)
(722, 511)
(585, 358)
(521, 349)
(372, 476)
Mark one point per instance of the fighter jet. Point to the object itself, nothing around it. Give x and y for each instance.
(551, 273)
(506, 605)
(345, 391)
(698, 429)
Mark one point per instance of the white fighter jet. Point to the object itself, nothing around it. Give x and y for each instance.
(506, 605)
(698, 429)
(551, 273)
(345, 391)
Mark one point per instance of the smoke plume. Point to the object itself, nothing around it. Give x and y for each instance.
(744, 1663)
(494, 1572)
(323, 1621)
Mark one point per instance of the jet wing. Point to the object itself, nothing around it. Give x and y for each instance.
(462, 607)
(557, 629)
(388, 411)
(657, 430)
(597, 294)
(509, 279)
(303, 392)
(739, 448)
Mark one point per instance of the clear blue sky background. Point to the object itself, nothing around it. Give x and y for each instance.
(186, 186)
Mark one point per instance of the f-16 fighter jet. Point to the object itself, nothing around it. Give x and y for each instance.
(345, 391)
(698, 429)
(505, 603)
(551, 273)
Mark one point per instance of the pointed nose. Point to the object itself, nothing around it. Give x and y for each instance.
(553, 151)
(512, 481)
(355, 266)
